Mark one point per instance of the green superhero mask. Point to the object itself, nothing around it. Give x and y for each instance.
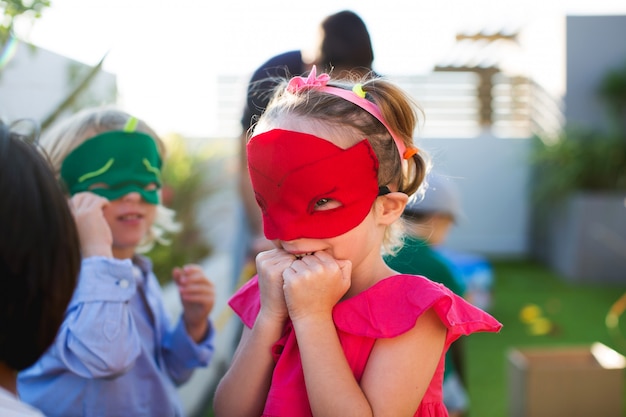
(113, 164)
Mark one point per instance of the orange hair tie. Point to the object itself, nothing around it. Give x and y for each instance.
(410, 152)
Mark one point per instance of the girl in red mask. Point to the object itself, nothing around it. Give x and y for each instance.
(330, 329)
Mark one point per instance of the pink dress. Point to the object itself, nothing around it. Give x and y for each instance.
(387, 309)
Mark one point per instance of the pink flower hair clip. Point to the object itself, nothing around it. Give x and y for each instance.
(355, 96)
(298, 83)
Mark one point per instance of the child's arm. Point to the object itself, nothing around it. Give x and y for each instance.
(197, 295)
(98, 337)
(243, 389)
(397, 375)
(399, 370)
(190, 343)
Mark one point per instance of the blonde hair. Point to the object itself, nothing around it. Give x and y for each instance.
(333, 113)
(62, 138)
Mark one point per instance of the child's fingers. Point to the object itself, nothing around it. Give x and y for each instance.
(190, 273)
(197, 298)
(197, 287)
(195, 278)
(190, 269)
(87, 200)
(177, 274)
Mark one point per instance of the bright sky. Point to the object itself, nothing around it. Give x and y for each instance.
(167, 54)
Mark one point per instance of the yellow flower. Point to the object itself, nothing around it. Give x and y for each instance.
(529, 313)
(541, 326)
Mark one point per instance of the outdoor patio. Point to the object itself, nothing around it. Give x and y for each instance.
(574, 315)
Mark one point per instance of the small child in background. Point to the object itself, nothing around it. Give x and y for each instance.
(39, 259)
(330, 329)
(428, 222)
(116, 353)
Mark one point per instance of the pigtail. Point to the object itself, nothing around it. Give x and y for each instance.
(402, 114)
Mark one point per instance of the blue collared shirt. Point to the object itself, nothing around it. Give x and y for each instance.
(116, 353)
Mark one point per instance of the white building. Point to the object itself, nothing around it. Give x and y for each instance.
(35, 81)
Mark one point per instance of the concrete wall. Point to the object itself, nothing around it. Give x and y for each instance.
(35, 81)
(595, 44)
(492, 175)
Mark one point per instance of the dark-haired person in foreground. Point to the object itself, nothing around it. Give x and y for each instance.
(39, 262)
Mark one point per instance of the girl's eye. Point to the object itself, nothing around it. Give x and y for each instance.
(326, 204)
(321, 202)
(99, 186)
(151, 187)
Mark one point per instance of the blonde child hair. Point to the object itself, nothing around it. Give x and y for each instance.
(62, 138)
(398, 109)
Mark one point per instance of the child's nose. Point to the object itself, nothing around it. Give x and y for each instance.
(132, 196)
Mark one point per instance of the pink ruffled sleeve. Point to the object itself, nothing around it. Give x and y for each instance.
(393, 305)
(246, 302)
(388, 309)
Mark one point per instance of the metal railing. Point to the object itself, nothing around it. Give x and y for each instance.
(454, 104)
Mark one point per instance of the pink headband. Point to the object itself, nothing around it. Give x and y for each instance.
(355, 96)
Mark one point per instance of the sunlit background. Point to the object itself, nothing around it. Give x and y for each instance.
(167, 55)
(182, 66)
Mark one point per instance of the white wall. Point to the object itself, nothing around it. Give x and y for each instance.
(492, 175)
(35, 81)
(595, 44)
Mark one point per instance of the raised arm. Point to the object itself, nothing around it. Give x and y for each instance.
(243, 389)
(397, 375)
(399, 370)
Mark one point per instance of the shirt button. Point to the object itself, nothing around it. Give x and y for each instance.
(124, 283)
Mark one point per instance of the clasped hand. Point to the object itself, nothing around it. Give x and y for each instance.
(301, 287)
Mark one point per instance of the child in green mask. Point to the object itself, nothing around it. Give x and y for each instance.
(116, 352)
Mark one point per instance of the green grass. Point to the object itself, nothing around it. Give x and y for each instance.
(576, 311)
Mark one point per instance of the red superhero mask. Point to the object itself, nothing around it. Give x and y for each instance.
(292, 171)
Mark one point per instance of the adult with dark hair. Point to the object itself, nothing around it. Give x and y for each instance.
(39, 262)
(344, 48)
(345, 45)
